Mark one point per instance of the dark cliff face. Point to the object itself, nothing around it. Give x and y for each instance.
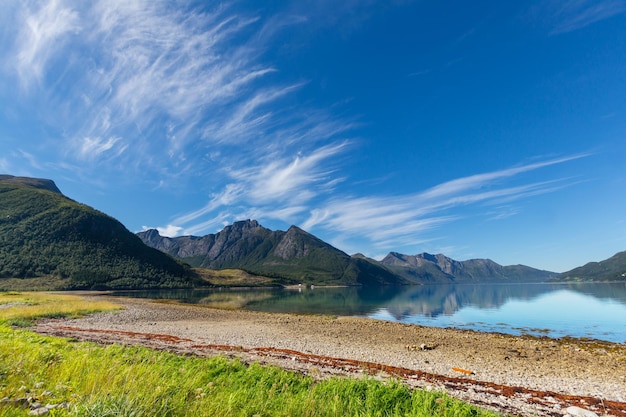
(295, 255)
(234, 242)
(298, 244)
(153, 237)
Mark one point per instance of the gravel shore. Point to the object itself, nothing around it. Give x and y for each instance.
(517, 375)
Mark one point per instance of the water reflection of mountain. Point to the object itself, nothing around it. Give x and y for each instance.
(400, 302)
(435, 300)
(348, 301)
(230, 298)
(615, 291)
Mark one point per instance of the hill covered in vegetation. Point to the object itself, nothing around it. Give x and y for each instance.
(612, 269)
(45, 234)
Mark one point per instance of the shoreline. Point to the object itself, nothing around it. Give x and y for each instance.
(513, 374)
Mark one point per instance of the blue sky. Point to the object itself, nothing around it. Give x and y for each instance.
(487, 129)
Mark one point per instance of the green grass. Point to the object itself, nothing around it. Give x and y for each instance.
(43, 283)
(115, 380)
(234, 278)
(20, 309)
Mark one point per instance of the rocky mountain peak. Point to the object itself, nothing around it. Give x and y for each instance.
(150, 234)
(243, 225)
(428, 257)
(395, 258)
(231, 239)
(295, 243)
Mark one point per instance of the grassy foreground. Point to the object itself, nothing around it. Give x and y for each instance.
(87, 379)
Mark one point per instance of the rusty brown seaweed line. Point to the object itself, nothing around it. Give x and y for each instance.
(615, 408)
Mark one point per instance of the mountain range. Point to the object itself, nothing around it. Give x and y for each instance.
(44, 234)
(427, 268)
(298, 256)
(294, 256)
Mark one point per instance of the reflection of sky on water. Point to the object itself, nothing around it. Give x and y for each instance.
(573, 309)
(556, 314)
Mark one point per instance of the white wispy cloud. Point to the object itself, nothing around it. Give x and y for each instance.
(92, 148)
(145, 86)
(218, 221)
(275, 187)
(231, 195)
(502, 212)
(480, 180)
(31, 159)
(43, 32)
(152, 87)
(382, 221)
(143, 76)
(291, 178)
(169, 63)
(245, 120)
(291, 191)
(572, 15)
(4, 165)
(393, 221)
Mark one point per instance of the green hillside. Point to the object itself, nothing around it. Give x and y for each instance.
(45, 234)
(612, 269)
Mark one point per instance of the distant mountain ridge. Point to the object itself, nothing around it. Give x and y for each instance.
(45, 234)
(427, 268)
(299, 256)
(293, 255)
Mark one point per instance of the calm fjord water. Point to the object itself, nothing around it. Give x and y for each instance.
(595, 311)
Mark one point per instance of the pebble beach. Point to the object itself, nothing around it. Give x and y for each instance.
(516, 375)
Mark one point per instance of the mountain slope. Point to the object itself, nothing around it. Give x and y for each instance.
(41, 183)
(295, 256)
(427, 268)
(44, 233)
(612, 269)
